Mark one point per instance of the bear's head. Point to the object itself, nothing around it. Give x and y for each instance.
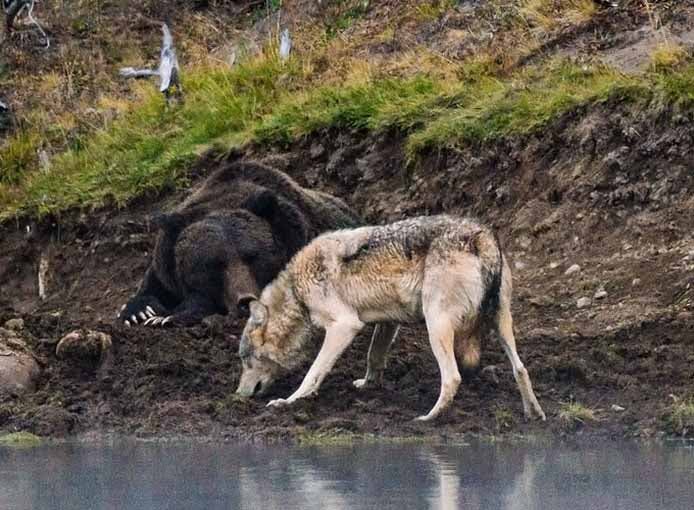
(270, 232)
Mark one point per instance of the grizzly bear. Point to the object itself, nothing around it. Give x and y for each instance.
(216, 251)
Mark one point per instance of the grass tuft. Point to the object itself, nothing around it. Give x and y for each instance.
(503, 418)
(20, 440)
(572, 414)
(668, 55)
(680, 417)
(149, 146)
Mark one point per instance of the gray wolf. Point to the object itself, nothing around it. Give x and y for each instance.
(229, 239)
(445, 270)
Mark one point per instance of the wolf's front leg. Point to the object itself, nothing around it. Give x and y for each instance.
(337, 337)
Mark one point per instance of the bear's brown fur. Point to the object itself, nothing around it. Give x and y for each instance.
(229, 239)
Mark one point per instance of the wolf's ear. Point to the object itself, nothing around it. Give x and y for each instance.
(258, 316)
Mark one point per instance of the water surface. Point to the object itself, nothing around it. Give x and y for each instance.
(138, 475)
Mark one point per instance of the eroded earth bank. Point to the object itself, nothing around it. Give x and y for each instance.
(606, 188)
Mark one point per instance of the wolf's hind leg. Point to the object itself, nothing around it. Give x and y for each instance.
(383, 336)
(441, 330)
(508, 342)
(337, 337)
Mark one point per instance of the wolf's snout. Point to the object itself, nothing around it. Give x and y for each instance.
(251, 386)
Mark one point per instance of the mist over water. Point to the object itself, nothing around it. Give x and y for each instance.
(138, 475)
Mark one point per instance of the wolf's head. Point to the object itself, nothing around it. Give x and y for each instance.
(259, 370)
(273, 341)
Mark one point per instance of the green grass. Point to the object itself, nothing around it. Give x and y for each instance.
(264, 101)
(371, 105)
(572, 414)
(341, 437)
(147, 149)
(20, 439)
(349, 12)
(528, 101)
(680, 418)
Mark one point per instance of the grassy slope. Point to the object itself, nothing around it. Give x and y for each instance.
(436, 103)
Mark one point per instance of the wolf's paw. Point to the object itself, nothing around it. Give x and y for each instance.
(278, 402)
(425, 418)
(361, 383)
(535, 412)
(365, 383)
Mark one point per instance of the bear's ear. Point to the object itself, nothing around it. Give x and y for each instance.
(263, 204)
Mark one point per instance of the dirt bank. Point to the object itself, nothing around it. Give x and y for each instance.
(607, 188)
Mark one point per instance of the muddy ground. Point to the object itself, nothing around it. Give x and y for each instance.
(608, 188)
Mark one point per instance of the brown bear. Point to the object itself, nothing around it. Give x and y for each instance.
(224, 243)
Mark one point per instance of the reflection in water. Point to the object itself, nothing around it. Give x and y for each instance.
(135, 475)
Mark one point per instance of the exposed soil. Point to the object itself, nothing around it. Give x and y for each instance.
(607, 188)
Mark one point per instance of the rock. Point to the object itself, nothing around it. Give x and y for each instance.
(15, 324)
(554, 265)
(541, 301)
(87, 348)
(215, 324)
(317, 150)
(6, 334)
(600, 294)
(18, 368)
(617, 408)
(583, 302)
(524, 242)
(635, 282)
(575, 268)
(48, 420)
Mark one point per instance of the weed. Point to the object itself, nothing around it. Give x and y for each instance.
(668, 55)
(17, 154)
(573, 414)
(430, 11)
(503, 418)
(348, 13)
(680, 417)
(20, 440)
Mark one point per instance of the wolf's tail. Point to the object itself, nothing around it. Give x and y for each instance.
(492, 259)
(488, 248)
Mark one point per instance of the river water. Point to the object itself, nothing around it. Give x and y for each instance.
(143, 475)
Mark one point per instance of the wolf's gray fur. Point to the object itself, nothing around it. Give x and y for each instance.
(445, 270)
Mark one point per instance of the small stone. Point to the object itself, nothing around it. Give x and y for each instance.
(617, 408)
(553, 265)
(583, 302)
(573, 269)
(18, 368)
(7, 333)
(15, 324)
(635, 282)
(519, 264)
(600, 294)
(90, 349)
(524, 242)
(316, 150)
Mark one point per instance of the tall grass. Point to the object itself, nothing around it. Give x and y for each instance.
(263, 101)
(149, 147)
